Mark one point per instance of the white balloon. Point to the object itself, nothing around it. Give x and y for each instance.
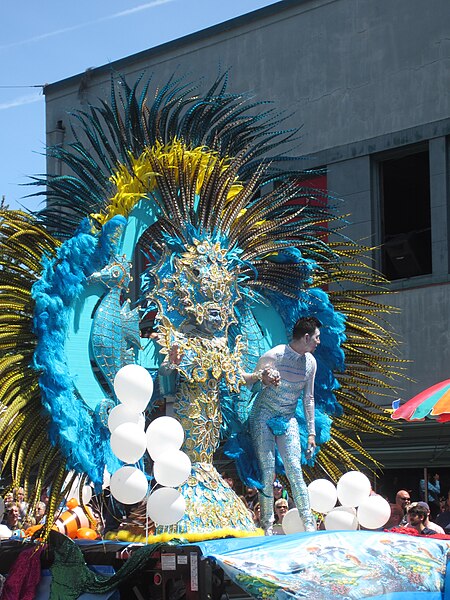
(172, 468)
(128, 442)
(341, 518)
(349, 509)
(86, 494)
(106, 478)
(133, 386)
(292, 522)
(128, 485)
(322, 495)
(166, 506)
(374, 512)
(5, 532)
(123, 414)
(163, 434)
(352, 488)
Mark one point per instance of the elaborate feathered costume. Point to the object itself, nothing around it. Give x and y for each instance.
(197, 186)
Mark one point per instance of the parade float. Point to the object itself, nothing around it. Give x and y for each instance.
(184, 219)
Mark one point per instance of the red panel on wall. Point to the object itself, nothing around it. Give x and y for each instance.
(314, 193)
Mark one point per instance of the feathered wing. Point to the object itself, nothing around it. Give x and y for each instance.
(29, 457)
(209, 166)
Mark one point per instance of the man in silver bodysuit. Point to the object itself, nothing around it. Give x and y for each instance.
(286, 373)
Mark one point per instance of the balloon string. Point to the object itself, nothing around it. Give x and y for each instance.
(325, 471)
(146, 513)
(146, 521)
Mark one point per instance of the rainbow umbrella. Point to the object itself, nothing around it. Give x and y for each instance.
(434, 403)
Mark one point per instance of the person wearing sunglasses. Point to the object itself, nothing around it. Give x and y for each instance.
(399, 509)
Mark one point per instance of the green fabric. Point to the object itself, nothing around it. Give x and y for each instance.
(71, 577)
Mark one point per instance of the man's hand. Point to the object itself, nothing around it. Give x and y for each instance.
(311, 446)
(270, 376)
(175, 356)
(312, 441)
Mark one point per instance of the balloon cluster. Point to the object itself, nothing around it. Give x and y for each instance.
(358, 507)
(163, 439)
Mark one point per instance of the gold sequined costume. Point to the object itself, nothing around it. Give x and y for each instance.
(210, 503)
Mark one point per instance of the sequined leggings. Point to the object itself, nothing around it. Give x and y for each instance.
(290, 450)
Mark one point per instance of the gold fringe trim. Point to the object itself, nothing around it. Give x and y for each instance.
(126, 536)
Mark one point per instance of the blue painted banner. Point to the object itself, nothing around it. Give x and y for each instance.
(344, 565)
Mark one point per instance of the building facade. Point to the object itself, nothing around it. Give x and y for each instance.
(369, 81)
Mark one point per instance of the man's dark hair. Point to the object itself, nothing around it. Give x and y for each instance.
(305, 325)
(420, 511)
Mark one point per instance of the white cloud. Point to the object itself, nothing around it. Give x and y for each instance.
(43, 36)
(130, 11)
(21, 100)
(124, 13)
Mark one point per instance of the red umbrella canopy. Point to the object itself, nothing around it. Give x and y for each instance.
(434, 402)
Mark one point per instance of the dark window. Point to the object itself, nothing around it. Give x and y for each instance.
(406, 216)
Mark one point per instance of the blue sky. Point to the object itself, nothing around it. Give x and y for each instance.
(48, 40)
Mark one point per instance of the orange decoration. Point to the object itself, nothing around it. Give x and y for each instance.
(31, 530)
(71, 520)
(72, 503)
(86, 533)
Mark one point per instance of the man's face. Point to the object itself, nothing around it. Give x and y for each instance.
(414, 519)
(281, 511)
(230, 481)
(312, 341)
(403, 500)
(277, 491)
(13, 514)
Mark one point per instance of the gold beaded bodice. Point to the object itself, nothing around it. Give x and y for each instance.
(205, 361)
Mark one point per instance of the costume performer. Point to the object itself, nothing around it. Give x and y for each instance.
(198, 184)
(286, 372)
(199, 355)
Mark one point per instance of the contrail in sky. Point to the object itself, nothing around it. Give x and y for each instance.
(118, 15)
(21, 101)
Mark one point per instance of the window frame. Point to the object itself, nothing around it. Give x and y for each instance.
(377, 161)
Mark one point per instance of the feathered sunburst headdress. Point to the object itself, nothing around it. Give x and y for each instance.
(203, 179)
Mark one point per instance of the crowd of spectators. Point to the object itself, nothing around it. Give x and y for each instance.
(17, 515)
(282, 501)
(426, 518)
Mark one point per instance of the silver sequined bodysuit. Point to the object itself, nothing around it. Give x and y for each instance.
(273, 421)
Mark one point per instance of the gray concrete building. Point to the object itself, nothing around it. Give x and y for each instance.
(369, 81)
